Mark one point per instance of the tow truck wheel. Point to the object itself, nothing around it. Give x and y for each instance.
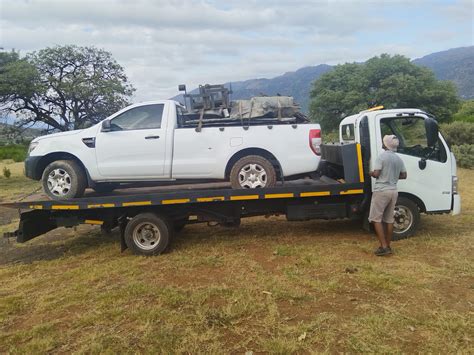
(252, 172)
(64, 179)
(147, 234)
(407, 218)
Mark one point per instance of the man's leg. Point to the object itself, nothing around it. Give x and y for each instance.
(388, 217)
(379, 231)
(388, 233)
(377, 207)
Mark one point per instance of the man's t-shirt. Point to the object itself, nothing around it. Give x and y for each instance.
(390, 166)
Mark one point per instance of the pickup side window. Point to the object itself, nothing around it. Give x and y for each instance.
(347, 133)
(179, 116)
(412, 136)
(141, 117)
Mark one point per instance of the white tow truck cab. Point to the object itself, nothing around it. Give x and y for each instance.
(432, 182)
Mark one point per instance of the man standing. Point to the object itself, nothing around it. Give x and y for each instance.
(388, 169)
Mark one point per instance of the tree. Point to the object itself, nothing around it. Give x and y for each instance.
(391, 81)
(65, 87)
(466, 112)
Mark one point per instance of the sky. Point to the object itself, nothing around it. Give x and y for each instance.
(164, 43)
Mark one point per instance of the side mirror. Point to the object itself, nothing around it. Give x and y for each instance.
(431, 127)
(106, 127)
(422, 164)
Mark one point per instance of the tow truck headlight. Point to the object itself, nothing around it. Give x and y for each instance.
(455, 185)
(32, 146)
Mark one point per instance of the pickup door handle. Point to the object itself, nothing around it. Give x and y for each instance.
(152, 137)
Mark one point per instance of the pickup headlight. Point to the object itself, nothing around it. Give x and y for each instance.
(32, 146)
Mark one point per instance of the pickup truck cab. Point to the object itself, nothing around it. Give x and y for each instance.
(145, 142)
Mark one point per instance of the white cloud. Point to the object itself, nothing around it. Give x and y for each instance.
(165, 43)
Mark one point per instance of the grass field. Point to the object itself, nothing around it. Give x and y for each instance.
(269, 286)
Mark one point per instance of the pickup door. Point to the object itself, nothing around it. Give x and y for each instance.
(135, 146)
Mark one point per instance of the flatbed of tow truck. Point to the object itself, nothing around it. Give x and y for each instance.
(148, 217)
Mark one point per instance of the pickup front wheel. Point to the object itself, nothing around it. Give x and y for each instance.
(63, 180)
(252, 172)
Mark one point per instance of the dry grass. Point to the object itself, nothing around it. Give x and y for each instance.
(269, 286)
(18, 184)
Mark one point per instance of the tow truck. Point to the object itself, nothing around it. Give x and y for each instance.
(340, 189)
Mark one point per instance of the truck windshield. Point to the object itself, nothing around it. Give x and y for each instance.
(412, 136)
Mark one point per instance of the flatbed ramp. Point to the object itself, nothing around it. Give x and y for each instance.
(148, 217)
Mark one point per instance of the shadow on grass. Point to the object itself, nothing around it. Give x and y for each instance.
(64, 242)
(271, 230)
(56, 244)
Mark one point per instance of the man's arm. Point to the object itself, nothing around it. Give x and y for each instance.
(375, 173)
(403, 172)
(377, 168)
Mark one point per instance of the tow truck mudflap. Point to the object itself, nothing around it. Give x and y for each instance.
(32, 224)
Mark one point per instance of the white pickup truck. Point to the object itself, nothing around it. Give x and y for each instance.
(145, 142)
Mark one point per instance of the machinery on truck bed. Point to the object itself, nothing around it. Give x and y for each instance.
(211, 106)
(147, 220)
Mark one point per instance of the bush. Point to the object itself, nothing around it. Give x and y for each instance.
(6, 172)
(466, 112)
(458, 133)
(330, 136)
(17, 152)
(464, 155)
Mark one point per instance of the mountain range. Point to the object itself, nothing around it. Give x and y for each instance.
(455, 64)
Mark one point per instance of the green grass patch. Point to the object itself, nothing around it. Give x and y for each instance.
(15, 152)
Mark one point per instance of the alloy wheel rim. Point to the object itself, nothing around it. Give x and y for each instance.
(403, 219)
(146, 236)
(59, 182)
(252, 176)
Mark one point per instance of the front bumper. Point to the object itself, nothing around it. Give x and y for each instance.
(456, 205)
(31, 167)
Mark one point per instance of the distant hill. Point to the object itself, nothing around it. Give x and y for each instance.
(454, 64)
(296, 84)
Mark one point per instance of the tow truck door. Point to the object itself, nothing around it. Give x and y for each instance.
(430, 183)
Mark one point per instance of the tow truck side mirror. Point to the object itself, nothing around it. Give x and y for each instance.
(431, 127)
(106, 126)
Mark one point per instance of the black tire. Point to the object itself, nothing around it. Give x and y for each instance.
(407, 218)
(147, 234)
(262, 163)
(104, 187)
(74, 180)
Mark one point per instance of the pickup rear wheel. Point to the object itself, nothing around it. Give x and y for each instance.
(64, 179)
(252, 172)
(147, 234)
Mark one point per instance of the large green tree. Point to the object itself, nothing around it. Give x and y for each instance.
(391, 81)
(65, 87)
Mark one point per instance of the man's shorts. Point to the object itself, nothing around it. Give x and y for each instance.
(382, 207)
